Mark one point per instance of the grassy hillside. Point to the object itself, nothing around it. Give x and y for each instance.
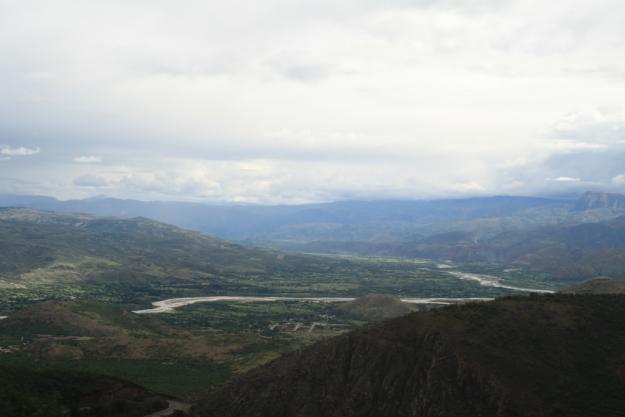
(110, 340)
(141, 248)
(528, 356)
(54, 318)
(376, 307)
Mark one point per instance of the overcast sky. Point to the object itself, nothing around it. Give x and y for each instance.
(286, 101)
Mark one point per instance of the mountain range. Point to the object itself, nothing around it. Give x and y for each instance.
(566, 239)
(70, 247)
(342, 220)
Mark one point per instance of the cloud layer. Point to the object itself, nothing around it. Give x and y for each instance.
(282, 101)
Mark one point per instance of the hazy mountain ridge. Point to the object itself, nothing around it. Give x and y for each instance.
(342, 220)
(598, 200)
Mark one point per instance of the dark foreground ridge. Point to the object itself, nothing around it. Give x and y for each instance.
(599, 285)
(555, 355)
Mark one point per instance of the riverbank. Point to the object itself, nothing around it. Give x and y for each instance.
(170, 305)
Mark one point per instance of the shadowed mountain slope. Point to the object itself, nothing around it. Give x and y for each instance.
(536, 356)
(57, 393)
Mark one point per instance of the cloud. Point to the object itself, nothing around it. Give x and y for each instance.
(567, 179)
(592, 127)
(282, 101)
(619, 180)
(21, 151)
(91, 181)
(87, 159)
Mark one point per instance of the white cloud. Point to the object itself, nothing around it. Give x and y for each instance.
(91, 181)
(87, 159)
(619, 179)
(293, 101)
(567, 179)
(593, 127)
(20, 151)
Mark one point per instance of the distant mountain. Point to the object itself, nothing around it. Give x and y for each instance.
(596, 200)
(570, 240)
(40, 246)
(342, 220)
(536, 356)
(570, 251)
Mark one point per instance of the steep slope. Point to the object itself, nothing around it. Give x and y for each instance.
(537, 356)
(600, 285)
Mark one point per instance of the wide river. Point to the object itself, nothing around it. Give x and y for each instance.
(170, 305)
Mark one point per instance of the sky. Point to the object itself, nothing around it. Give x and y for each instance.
(287, 101)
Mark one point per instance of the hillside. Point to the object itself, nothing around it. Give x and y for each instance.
(600, 285)
(30, 239)
(375, 307)
(57, 393)
(537, 356)
(567, 252)
(54, 318)
(38, 247)
(84, 330)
